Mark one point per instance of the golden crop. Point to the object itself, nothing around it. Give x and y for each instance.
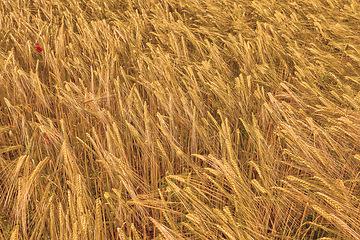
(179, 119)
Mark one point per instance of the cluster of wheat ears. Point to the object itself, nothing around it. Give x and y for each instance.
(179, 119)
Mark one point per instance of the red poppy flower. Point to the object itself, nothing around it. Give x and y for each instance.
(83, 8)
(47, 139)
(38, 48)
(52, 137)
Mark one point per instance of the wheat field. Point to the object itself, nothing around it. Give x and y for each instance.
(179, 119)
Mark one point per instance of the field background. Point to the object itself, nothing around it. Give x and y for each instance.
(180, 119)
